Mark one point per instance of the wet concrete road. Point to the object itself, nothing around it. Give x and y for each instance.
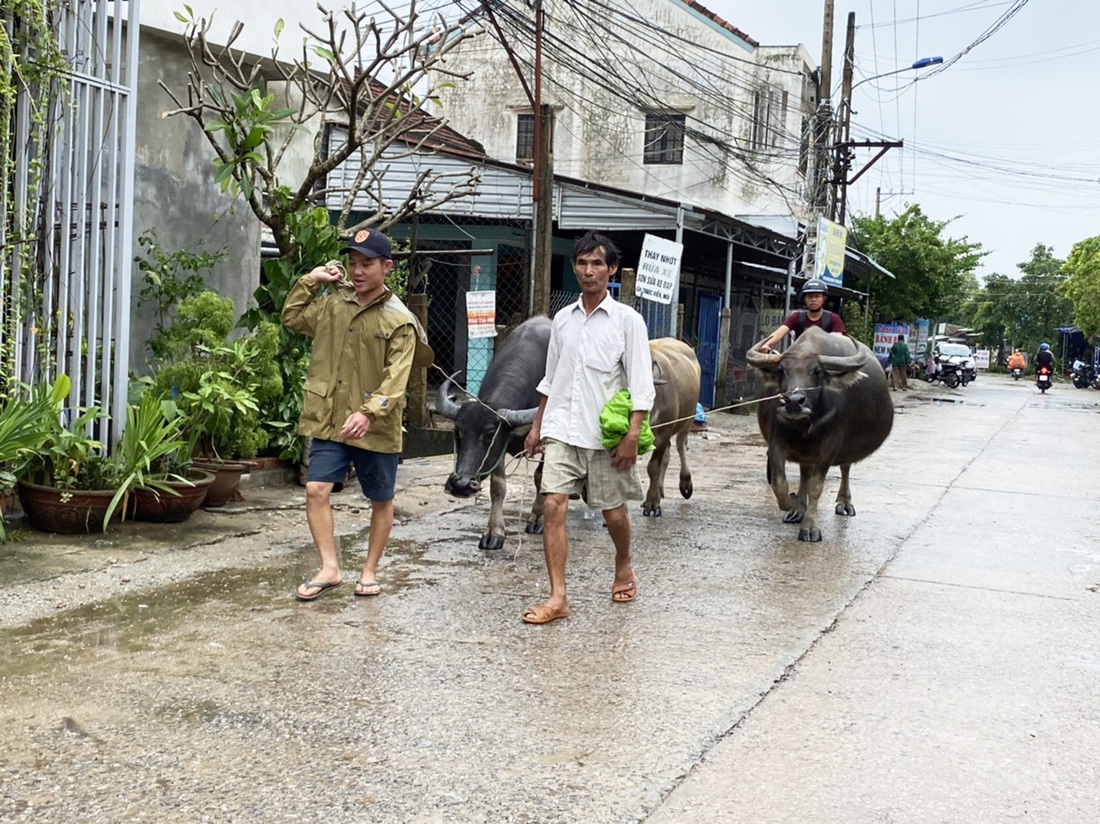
(933, 659)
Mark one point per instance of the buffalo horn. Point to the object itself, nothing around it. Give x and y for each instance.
(835, 365)
(444, 405)
(516, 418)
(761, 360)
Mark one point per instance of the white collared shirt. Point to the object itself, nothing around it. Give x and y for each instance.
(590, 358)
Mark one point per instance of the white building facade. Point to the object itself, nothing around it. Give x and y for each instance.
(658, 97)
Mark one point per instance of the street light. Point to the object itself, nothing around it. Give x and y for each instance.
(844, 145)
(922, 63)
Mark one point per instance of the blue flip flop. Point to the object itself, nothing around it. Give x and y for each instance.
(321, 590)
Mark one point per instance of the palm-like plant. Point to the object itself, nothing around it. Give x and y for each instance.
(152, 437)
(24, 427)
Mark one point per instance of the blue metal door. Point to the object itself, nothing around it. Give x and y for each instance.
(710, 308)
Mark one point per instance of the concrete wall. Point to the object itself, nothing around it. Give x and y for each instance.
(175, 193)
(599, 136)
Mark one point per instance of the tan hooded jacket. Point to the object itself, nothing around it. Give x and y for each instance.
(362, 357)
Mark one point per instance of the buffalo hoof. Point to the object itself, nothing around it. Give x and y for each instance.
(686, 489)
(651, 511)
(811, 535)
(533, 528)
(793, 517)
(846, 509)
(491, 541)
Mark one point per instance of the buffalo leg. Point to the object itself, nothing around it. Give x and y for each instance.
(812, 481)
(658, 464)
(534, 518)
(777, 475)
(844, 494)
(498, 490)
(686, 487)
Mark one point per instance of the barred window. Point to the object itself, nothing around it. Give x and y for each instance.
(664, 138)
(525, 138)
(768, 108)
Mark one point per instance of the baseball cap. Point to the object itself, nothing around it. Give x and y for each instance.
(370, 243)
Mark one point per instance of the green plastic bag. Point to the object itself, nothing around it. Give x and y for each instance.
(615, 423)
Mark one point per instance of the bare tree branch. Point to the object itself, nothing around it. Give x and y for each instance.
(369, 72)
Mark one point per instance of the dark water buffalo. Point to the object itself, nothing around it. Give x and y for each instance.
(486, 432)
(835, 410)
(676, 376)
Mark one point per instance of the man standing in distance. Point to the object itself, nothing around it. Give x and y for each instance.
(598, 347)
(814, 292)
(365, 343)
(899, 360)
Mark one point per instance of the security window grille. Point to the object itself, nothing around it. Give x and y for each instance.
(664, 139)
(768, 106)
(525, 138)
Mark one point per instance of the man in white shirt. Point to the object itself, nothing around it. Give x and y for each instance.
(598, 347)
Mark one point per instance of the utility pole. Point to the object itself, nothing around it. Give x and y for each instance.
(542, 183)
(542, 166)
(844, 126)
(823, 126)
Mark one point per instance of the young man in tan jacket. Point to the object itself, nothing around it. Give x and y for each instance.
(365, 342)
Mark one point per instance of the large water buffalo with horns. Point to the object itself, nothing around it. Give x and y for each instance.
(493, 425)
(833, 409)
(676, 377)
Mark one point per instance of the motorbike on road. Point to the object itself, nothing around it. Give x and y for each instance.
(1082, 375)
(1016, 372)
(1043, 378)
(948, 373)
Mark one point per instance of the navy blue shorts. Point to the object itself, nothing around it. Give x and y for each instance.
(377, 471)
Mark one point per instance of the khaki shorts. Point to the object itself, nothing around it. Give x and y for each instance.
(565, 468)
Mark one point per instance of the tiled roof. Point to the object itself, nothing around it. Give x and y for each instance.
(703, 10)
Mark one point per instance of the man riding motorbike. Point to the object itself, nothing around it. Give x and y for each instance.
(1016, 364)
(1044, 367)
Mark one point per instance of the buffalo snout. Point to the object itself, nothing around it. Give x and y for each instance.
(462, 487)
(795, 402)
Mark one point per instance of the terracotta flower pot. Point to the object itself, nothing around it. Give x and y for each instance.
(66, 510)
(227, 480)
(164, 507)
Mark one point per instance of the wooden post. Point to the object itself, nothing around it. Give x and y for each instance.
(628, 278)
(720, 395)
(417, 389)
(679, 331)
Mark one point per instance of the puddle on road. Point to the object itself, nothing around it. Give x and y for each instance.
(935, 401)
(130, 623)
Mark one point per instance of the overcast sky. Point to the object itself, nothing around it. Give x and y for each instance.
(1008, 138)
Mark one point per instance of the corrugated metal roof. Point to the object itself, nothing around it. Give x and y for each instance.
(582, 208)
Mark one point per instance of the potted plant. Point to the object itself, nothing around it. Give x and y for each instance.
(23, 430)
(156, 482)
(220, 386)
(69, 483)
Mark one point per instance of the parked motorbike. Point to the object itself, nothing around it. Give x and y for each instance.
(947, 372)
(1043, 378)
(1082, 375)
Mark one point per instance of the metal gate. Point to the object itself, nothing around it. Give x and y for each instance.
(65, 270)
(710, 309)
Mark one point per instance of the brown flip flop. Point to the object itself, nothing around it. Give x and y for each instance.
(543, 614)
(624, 593)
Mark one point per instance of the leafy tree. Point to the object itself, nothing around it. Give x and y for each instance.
(1041, 308)
(366, 73)
(932, 273)
(857, 323)
(994, 312)
(1082, 285)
